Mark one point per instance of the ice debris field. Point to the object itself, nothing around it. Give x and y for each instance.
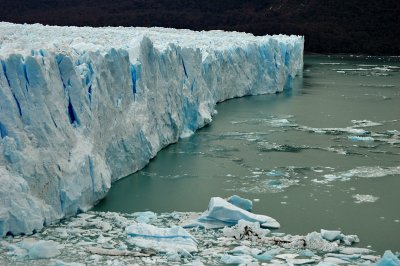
(146, 238)
(83, 107)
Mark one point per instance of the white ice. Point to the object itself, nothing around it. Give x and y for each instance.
(83, 107)
(221, 213)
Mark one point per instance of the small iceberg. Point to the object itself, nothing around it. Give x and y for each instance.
(173, 239)
(221, 213)
(331, 235)
(388, 259)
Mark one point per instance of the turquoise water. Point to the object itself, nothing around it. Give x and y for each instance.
(323, 155)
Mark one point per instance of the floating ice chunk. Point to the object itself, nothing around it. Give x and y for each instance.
(221, 213)
(315, 241)
(286, 256)
(370, 257)
(244, 250)
(241, 260)
(62, 232)
(101, 239)
(280, 122)
(173, 239)
(34, 249)
(300, 261)
(275, 173)
(335, 131)
(245, 230)
(388, 259)
(350, 239)
(274, 251)
(144, 217)
(122, 246)
(364, 198)
(242, 203)
(265, 256)
(194, 263)
(173, 256)
(104, 226)
(348, 257)
(360, 138)
(43, 250)
(351, 250)
(63, 263)
(16, 251)
(112, 252)
(306, 253)
(365, 123)
(332, 63)
(118, 220)
(325, 263)
(334, 261)
(363, 171)
(331, 235)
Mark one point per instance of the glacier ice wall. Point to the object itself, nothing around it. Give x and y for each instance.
(83, 107)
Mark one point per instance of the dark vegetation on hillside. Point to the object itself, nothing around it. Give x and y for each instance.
(329, 26)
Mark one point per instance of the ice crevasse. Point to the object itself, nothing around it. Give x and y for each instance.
(83, 107)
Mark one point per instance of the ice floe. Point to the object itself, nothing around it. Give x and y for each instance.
(244, 243)
(173, 239)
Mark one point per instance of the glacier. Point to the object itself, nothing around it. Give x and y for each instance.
(82, 107)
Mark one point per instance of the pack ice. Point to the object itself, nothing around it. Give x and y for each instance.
(83, 107)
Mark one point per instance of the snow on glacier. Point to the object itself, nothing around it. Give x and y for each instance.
(83, 107)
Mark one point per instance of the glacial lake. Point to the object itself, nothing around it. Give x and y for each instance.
(325, 154)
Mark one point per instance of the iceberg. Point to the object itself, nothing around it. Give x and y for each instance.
(221, 213)
(83, 107)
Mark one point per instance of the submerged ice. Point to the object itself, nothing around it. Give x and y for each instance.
(83, 107)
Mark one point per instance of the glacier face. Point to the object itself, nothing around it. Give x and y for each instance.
(83, 107)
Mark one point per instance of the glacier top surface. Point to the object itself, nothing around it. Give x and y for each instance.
(23, 38)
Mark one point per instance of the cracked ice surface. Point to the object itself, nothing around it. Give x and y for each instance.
(97, 238)
(83, 107)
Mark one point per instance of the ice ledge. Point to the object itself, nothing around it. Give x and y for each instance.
(82, 107)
